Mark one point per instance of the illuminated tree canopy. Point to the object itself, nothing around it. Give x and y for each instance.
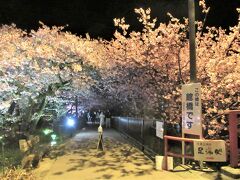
(137, 73)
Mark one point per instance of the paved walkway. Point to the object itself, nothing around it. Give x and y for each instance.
(80, 160)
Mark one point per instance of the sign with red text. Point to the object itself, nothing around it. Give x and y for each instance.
(191, 109)
(210, 150)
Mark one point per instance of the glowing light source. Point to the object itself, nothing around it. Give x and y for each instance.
(47, 131)
(70, 122)
(53, 143)
(53, 136)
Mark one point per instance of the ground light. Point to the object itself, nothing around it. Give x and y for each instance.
(53, 143)
(47, 131)
(70, 122)
(54, 138)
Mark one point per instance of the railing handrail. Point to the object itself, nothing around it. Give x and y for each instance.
(232, 111)
(167, 153)
(179, 138)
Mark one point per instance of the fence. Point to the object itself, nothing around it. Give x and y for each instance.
(142, 132)
(168, 153)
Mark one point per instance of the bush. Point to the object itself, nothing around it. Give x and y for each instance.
(17, 174)
(12, 158)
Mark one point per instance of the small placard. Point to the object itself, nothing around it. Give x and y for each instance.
(23, 145)
(159, 129)
(210, 150)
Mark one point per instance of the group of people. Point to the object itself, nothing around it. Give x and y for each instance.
(100, 117)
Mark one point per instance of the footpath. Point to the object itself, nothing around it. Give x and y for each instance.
(79, 159)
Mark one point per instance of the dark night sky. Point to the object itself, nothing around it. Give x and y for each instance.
(95, 16)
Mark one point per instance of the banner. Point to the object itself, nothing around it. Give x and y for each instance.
(210, 150)
(191, 109)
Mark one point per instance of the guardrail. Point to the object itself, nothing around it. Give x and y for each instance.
(142, 132)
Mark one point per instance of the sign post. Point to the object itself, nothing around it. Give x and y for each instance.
(191, 112)
(100, 138)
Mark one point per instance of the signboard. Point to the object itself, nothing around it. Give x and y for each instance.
(159, 129)
(23, 145)
(210, 150)
(191, 109)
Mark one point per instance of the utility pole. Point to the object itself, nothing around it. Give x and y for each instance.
(192, 55)
(192, 43)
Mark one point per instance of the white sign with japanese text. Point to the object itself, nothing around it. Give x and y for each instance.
(159, 129)
(210, 150)
(191, 109)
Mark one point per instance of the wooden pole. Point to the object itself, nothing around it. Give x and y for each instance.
(233, 123)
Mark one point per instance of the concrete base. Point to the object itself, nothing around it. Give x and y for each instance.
(231, 172)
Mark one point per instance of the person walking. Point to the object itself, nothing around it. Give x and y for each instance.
(108, 119)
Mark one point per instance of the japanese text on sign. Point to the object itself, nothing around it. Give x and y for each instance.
(210, 150)
(191, 109)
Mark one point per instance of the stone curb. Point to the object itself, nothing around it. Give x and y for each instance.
(231, 172)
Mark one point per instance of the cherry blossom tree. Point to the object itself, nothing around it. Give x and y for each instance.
(38, 65)
(137, 73)
(150, 66)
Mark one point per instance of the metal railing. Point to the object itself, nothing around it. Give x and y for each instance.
(142, 132)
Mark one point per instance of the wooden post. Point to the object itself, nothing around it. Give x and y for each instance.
(233, 138)
(142, 134)
(165, 153)
(183, 148)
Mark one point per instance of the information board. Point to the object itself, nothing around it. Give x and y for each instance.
(210, 150)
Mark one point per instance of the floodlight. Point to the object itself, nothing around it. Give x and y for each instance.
(70, 122)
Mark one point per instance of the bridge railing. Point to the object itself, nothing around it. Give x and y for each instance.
(142, 132)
